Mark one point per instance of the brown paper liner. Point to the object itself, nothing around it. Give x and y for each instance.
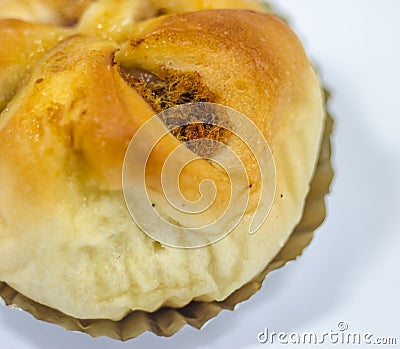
(168, 321)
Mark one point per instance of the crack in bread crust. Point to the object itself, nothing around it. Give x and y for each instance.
(174, 88)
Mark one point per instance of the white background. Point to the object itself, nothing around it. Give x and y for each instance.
(350, 272)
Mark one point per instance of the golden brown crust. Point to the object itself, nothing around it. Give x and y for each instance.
(60, 12)
(64, 134)
(221, 43)
(92, 124)
(22, 45)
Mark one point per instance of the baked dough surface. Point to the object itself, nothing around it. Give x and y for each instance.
(66, 237)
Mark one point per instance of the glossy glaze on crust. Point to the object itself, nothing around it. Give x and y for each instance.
(67, 240)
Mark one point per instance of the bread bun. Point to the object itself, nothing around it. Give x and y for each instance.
(74, 98)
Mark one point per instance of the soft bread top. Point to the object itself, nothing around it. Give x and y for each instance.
(73, 99)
